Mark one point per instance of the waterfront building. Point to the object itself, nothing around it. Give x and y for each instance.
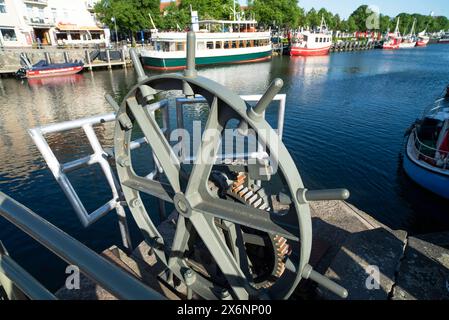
(50, 22)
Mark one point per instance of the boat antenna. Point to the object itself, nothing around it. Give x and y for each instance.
(152, 22)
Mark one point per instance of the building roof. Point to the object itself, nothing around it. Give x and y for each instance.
(164, 5)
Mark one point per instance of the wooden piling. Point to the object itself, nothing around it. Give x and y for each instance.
(89, 63)
(109, 59)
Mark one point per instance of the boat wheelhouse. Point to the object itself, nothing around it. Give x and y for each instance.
(311, 43)
(427, 152)
(234, 42)
(423, 39)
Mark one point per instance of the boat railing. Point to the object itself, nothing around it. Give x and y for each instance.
(432, 156)
(436, 107)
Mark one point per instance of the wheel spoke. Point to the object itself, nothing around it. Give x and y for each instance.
(182, 236)
(207, 152)
(151, 187)
(161, 148)
(217, 247)
(247, 216)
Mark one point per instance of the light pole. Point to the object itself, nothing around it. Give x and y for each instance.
(116, 34)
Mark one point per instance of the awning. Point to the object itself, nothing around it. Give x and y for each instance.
(74, 27)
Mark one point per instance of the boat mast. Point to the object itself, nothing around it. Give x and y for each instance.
(396, 31)
(412, 32)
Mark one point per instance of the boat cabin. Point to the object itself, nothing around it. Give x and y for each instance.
(432, 136)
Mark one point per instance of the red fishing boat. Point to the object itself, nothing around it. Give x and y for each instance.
(311, 43)
(393, 40)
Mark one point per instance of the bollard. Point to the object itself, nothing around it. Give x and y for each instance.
(191, 49)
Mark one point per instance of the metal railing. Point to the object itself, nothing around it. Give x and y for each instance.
(110, 277)
(100, 156)
(438, 106)
(434, 157)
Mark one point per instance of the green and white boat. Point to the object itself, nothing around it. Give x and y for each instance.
(234, 42)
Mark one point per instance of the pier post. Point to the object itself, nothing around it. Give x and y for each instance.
(66, 57)
(123, 58)
(108, 56)
(47, 57)
(89, 64)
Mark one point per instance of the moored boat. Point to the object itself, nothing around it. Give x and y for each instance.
(426, 159)
(423, 39)
(444, 38)
(392, 40)
(43, 69)
(236, 42)
(409, 41)
(311, 43)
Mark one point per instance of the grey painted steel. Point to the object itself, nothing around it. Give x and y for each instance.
(191, 49)
(23, 280)
(200, 201)
(268, 96)
(11, 290)
(112, 102)
(110, 277)
(196, 206)
(137, 65)
(330, 194)
(325, 282)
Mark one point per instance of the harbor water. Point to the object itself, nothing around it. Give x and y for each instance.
(346, 115)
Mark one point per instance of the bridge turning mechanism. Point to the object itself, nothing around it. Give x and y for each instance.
(243, 227)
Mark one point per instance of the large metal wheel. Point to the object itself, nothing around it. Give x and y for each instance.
(197, 206)
(257, 244)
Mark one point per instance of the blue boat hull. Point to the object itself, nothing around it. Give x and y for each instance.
(433, 181)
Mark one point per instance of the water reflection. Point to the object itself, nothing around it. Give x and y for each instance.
(345, 119)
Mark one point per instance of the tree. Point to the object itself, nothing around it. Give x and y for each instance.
(130, 15)
(313, 20)
(283, 13)
(360, 17)
(210, 9)
(174, 16)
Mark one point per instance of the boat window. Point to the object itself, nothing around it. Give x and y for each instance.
(248, 43)
(316, 39)
(234, 44)
(218, 44)
(210, 45)
(226, 45)
(256, 43)
(200, 45)
(241, 44)
(428, 132)
(179, 46)
(165, 46)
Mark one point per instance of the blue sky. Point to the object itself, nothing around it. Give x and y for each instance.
(388, 7)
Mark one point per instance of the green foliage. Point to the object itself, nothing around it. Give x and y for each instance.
(130, 15)
(133, 15)
(210, 9)
(283, 13)
(173, 17)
